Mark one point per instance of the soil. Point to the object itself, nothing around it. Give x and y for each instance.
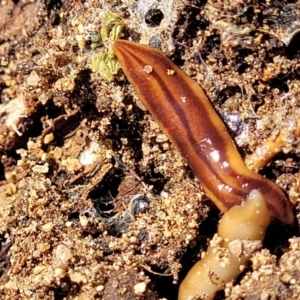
(95, 202)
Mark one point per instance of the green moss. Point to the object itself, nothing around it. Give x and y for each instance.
(112, 26)
(106, 66)
(106, 63)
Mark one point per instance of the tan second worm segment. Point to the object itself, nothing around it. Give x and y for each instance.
(186, 116)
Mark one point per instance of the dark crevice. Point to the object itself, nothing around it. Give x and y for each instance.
(2, 174)
(280, 83)
(66, 288)
(277, 237)
(187, 27)
(155, 179)
(154, 17)
(54, 5)
(103, 195)
(293, 49)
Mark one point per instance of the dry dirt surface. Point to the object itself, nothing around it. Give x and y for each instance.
(95, 202)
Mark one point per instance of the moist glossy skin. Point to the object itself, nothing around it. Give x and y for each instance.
(186, 116)
(241, 225)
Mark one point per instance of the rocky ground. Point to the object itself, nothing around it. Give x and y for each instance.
(95, 202)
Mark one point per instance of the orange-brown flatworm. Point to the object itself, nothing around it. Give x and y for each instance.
(184, 113)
